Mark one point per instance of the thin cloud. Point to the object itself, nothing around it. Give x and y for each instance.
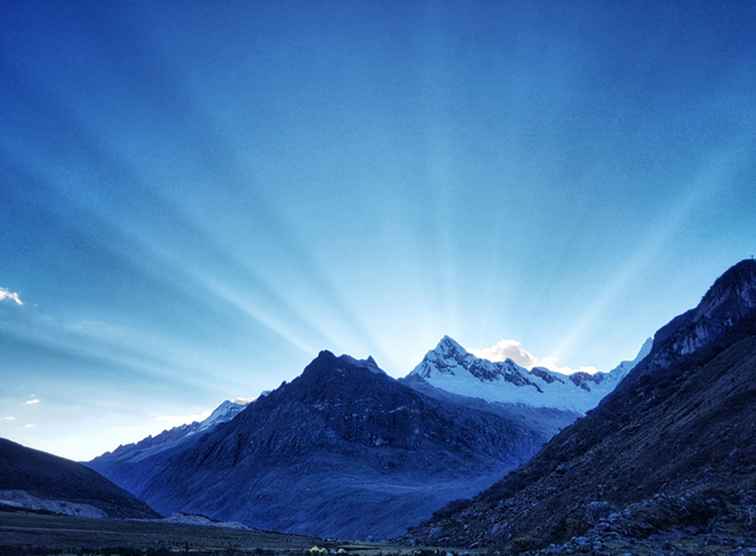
(33, 401)
(29, 426)
(10, 296)
(9, 418)
(513, 349)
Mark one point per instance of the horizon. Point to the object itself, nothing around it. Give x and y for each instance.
(199, 200)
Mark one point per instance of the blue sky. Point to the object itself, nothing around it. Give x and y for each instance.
(198, 197)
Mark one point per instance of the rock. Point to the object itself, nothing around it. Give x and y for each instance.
(597, 510)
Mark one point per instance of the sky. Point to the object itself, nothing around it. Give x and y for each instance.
(197, 197)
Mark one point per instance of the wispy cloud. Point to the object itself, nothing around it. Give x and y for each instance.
(10, 296)
(8, 418)
(32, 401)
(513, 349)
(29, 426)
(98, 329)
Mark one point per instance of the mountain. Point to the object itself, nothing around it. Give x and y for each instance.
(223, 413)
(451, 368)
(38, 480)
(343, 450)
(123, 465)
(665, 464)
(545, 421)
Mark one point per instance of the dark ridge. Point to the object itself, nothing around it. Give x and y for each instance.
(49, 477)
(672, 451)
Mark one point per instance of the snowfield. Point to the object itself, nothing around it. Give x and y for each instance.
(452, 368)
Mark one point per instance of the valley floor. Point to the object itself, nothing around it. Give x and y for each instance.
(36, 534)
(22, 532)
(26, 533)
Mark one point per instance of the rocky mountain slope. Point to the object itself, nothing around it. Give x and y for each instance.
(451, 368)
(665, 464)
(343, 450)
(123, 465)
(38, 480)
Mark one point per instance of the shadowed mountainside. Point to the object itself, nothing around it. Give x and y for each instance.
(32, 477)
(124, 465)
(343, 450)
(671, 453)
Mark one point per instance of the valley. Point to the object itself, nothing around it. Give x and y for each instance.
(661, 461)
(40, 534)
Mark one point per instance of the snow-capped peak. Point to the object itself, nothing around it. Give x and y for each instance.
(452, 368)
(226, 411)
(449, 358)
(447, 345)
(151, 445)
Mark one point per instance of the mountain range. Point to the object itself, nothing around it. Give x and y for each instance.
(123, 464)
(450, 367)
(462, 451)
(344, 432)
(344, 450)
(665, 464)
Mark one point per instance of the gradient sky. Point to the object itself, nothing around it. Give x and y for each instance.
(197, 197)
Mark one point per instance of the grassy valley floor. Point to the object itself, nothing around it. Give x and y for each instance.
(27, 533)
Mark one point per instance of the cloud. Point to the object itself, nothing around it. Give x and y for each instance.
(513, 349)
(11, 296)
(98, 328)
(8, 418)
(508, 349)
(32, 401)
(29, 425)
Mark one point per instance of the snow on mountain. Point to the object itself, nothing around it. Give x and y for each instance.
(223, 413)
(151, 445)
(452, 368)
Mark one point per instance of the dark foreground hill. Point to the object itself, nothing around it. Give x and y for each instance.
(37, 479)
(667, 461)
(342, 451)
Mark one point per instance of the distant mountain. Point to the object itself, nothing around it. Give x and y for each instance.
(122, 465)
(451, 368)
(343, 450)
(223, 413)
(545, 421)
(665, 464)
(38, 480)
